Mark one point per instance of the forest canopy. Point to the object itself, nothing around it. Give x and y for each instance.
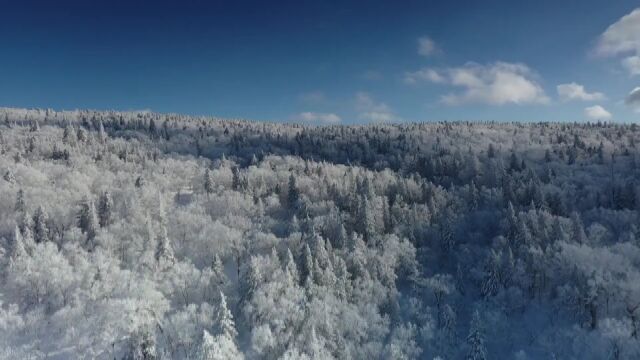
(136, 235)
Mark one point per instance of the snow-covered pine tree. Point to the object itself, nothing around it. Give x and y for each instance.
(208, 182)
(226, 326)
(217, 348)
(105, 209)
(291, 269)
(475, 340)
(366, 219)
(88, 220)
(102, 135)
(16, 246)
(236, 181)
(293, 194)
(218, 270)
(577, 229)
(40, 229)
(164, 251)
(20, 206)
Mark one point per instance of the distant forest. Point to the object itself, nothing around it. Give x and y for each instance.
(136, 235)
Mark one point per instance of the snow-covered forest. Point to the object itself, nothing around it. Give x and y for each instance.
(149, 236)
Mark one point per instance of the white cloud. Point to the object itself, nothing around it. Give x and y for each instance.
(597, 112)
(425, 74)
(496, 84)
(427, 47)
(632, 64)
(623, 38)
(633, 99)
(372, 111)
(573, 91)
(321, 118)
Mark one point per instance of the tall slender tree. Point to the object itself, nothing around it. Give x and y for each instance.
(40, 227)
(105, 209)
(475, 340)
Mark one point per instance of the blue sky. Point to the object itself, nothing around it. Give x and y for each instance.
(327, 61)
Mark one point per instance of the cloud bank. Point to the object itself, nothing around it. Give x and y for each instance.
(633, 99)
(573, 91)
(597, 112)
(622, 38)
(425, 74)
(498, 83)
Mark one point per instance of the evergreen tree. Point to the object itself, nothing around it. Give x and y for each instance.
(226, 326)
(208, 182)
(291, 269)
(26, 222)
(557, 232)
(149, 246)
(69, 136)
(217, 348)
(27, 238)
(236, 182)
(40, 229)
(315, 348)
(102, 135)
(293, 194)
(447, 238)
(307, 269)
(20, 206)
(81, 135)
(507, 268)
(357, 257)
(105, 209)
(512, 223)
(208, 348)
(601, 153)
(448, 328)
(577, 229)
(342, 237)
(164, 251)
(16, 246)
(491, 280)
(523, 235)
(475, 339)
(218, 270)
(514, 163)
(474, 196)
(491, 152)
(152, 128)
(250, 279)
(547, 156)
(366, 220)
(88, 220)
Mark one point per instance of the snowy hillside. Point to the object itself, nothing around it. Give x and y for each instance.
(150, 236)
